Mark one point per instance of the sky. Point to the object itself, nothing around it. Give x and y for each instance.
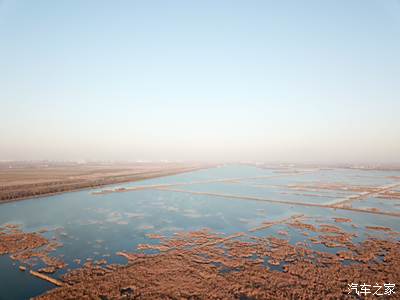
(284, 81)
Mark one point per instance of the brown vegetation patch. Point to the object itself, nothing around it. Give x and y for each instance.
(380, 228)
(13, 240)
(28, 248)
(342, 220)
(204, 265)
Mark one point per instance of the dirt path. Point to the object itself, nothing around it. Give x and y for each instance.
(251, 198)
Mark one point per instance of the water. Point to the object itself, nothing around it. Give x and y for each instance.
(98, 226)
(383, 204)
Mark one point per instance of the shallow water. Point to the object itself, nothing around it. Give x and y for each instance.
(97, 226)
(384, 204)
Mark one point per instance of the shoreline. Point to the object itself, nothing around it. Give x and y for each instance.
(145, 175)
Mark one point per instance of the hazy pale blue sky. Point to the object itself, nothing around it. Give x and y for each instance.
(197, 80)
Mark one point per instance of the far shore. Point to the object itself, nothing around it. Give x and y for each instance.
(32, 181)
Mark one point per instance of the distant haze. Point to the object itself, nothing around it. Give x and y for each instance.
(299, 81)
